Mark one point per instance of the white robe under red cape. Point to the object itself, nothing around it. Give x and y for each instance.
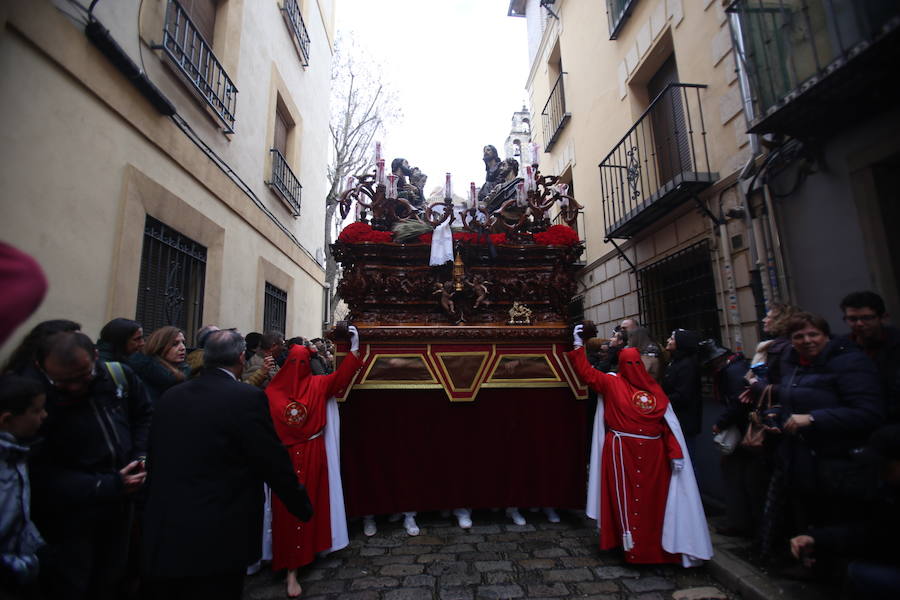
(685, 530)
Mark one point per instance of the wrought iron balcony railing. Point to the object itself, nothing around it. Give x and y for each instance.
(300, 36)
(193, 58)
(662, 161)
(554, 114)
(285, 183)
(813, 62)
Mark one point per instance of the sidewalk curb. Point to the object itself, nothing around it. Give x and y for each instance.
(739, 576)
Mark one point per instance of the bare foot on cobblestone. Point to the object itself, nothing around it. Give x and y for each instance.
(293, 586)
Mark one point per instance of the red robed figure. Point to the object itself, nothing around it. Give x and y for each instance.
(297, 401)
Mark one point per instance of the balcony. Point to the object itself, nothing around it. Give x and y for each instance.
(661, 162)
(285, 183)
(817, 65)
(193, 59)
(554, 114)
(299, 35)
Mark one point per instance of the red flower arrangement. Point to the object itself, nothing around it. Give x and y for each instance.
(354, 233)
(557, 235)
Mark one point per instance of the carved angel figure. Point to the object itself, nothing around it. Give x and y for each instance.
(445, 290)
(479, 288)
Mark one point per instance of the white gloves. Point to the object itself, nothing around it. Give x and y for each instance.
(354, 338)
(576, 336)
(677, 464)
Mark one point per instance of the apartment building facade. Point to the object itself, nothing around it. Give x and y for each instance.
(638, 106)
(729, 153)
(166, 160)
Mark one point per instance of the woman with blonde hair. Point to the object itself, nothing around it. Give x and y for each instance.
(161, 364)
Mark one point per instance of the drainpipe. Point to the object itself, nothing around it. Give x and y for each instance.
(730, 289)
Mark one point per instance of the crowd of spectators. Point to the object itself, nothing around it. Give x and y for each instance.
(75, 444)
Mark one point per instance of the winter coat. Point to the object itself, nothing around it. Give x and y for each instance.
(840, 389)
(86, 442)
(887, 360)
(19, 538)
(156, 376)
(729, 383)
(681, 382)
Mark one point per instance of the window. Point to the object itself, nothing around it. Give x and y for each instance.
(172, 280)
(283, 181)
(293, 18)
(679, 292)
(274, 309)
(555, 115)
(667, 117)
(618, 12)
(187, 43)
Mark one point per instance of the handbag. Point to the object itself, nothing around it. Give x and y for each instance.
(727, 440)
(755, 436)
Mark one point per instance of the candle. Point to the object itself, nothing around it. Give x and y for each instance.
(392, 186)
(529, 178)
(473, 194)
(535, 153)
(377, 151)
(350, 183)
(379, 175)
(520, 194)
(448, 188)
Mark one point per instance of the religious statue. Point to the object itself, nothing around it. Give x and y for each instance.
(407, 188)
(492, 172)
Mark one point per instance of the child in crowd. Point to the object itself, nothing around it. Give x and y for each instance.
(21, 414)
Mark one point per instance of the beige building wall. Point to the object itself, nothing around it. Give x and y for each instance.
(605, 86)
(86, 158)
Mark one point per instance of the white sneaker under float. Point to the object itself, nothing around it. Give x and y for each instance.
(463, 517)
(513, 513)
(552, 516)
(369, 527)
(409, 523)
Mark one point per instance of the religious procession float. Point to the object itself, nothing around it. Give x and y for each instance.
(465, 398)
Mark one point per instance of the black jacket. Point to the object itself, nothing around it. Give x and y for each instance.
(212, 445)
(840, 389)
(729, 382)
(75, 469)
(887, 360)
(681, 383)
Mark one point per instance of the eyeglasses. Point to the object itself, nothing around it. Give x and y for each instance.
(82, 378)
(860, 318)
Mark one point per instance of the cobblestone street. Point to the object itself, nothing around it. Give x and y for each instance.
(495, 559)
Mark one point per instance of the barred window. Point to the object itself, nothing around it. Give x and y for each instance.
(679, 291)
(172, 280)
(274, 309)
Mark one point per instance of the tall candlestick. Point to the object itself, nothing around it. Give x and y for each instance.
(379, 174)
(392, 186)
(529, 178)
(535, 153)
(377, 151)
(473, 194)
(520, 194)
(526, 155)
(448, 188)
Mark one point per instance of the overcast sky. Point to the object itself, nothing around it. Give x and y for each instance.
(459, 69)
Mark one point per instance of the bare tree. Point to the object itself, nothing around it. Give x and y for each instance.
(361, 105)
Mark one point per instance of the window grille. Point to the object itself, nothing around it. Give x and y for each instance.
(679, 291)
(274, 309)
(172, 280)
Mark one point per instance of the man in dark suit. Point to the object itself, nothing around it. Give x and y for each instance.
(212, 445)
